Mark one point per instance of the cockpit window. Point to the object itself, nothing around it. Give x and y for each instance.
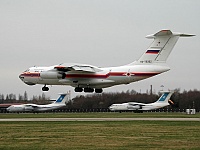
(27, 70)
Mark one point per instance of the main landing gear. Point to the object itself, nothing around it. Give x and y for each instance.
(45, 88)
(98, 90)
(79, 89)
(88, 90)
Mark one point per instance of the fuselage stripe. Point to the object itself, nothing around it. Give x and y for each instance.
(97, 75)
(30, 74)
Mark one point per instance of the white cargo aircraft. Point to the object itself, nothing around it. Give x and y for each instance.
(163, 101)
(60, 102)
(89, 78)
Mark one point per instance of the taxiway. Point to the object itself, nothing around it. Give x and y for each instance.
(100, 119)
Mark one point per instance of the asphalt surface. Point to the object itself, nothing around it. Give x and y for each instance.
(100, 119)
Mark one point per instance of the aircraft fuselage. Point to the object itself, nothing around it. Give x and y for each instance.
(105, 78)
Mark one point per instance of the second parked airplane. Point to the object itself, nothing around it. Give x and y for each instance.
(163, 101)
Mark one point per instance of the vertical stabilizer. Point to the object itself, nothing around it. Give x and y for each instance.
(62, 99)
(160, 49)
(165, 97)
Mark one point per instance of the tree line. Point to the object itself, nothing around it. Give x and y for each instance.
(23, 98)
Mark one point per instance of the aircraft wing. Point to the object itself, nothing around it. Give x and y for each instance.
(77, 68)
(134, 105)
(32, 105)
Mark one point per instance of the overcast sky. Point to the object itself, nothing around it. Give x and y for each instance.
(97, 32)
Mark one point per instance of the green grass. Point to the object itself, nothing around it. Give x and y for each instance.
(108, 135)
(99, 115)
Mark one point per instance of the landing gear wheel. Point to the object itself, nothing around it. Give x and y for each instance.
(45, 88)
(78, 89)
(98, 90)
(88, 90)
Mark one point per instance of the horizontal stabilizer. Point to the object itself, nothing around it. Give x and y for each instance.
(185, 35)
(160, 33)
(168, 33)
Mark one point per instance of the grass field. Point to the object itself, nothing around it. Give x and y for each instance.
(99, 115)
(119, 135)
(106, 135)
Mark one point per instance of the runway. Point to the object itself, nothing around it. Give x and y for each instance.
(99, 119)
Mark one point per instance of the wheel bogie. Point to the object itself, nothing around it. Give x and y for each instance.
(78, 89)
(98, 90)
(88, 90)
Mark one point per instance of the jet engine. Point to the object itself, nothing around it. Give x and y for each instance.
(133, 107)
(28, 108)
(52, 75)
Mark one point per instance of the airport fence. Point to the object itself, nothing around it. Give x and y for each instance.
(3, 110)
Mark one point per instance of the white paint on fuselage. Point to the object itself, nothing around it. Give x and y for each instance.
(105, 78)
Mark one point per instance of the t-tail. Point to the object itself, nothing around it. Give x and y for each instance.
(62, 99)
(160, 49)
(165, 97)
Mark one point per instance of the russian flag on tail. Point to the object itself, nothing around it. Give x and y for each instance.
(152, 51)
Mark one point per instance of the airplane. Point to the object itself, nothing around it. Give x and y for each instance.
(163, 101)
(90, 78)
(60, 102)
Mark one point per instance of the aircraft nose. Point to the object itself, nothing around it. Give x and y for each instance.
(111, 107)
(8, 109)
(21, 77)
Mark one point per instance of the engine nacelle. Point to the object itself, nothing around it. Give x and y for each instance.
(52, 75)
(135, 107)
(28, 108)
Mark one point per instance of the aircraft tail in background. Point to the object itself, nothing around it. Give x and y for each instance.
(62, 99)
(165, 97)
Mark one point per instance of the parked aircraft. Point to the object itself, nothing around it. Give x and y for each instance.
(163, 101)
(60, 102)
(90, 78)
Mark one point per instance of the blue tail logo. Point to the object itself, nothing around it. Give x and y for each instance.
(60, 99)
(164, 96)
